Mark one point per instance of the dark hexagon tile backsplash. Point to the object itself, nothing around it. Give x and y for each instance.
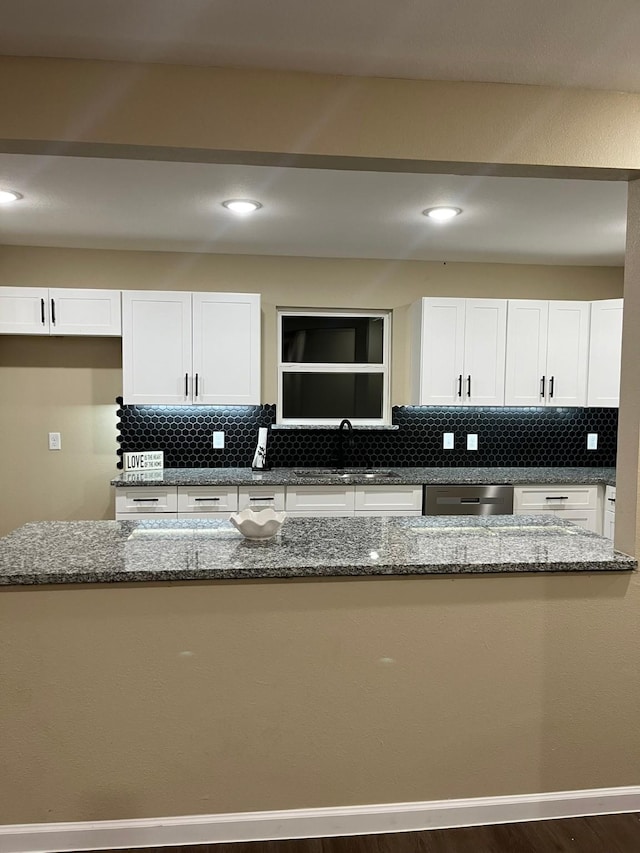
(506, 437)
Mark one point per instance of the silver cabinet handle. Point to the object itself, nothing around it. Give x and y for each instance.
(557, 498)
(206, 499)
(145, 500)
(270, 498)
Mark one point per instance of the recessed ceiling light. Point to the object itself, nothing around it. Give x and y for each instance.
(8, 196)
(241, 205)
(442, 214)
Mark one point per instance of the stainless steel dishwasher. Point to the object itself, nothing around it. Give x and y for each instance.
(468, 500)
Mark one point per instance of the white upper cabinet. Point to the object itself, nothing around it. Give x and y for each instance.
(485, 332)
(59, 311)
(568, 353)
(226, 348)
(190, 349)
(547, 353)
(458, 351)
(437, 351)
(156, 348)
(605, 349)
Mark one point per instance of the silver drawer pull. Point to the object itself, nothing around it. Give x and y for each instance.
(206, 499)
(145, 500)
(271, 498)
(557, 498)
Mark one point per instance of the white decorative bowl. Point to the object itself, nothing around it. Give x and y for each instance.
(258, 524)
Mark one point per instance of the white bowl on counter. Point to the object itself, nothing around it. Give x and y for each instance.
(258, 524)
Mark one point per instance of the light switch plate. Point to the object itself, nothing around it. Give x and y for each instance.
(218, 440)
(448, 441)
(472, 441)
(592, 441)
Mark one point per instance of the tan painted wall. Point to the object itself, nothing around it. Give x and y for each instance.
(122, 702)
(270, 111)
(499, 685)
(69, 385)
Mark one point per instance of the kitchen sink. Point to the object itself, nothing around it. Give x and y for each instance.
(346, 474)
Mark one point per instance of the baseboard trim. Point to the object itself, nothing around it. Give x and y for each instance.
(313, 823)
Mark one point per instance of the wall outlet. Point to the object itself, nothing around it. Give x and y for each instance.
(472, 441)
(448, 441)
(218, 440)
(55, 441)
(592, 441)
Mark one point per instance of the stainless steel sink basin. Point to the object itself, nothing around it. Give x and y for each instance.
(346, 474)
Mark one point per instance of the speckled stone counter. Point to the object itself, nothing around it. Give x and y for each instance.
(112, 551)
(403, 476)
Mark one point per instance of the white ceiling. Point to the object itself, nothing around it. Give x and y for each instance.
(591, 43)
(130, 204)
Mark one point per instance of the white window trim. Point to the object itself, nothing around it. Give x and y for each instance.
(333, 367)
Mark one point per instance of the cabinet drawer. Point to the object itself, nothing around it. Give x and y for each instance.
(586, 518)
(261, 497)
(320, 500)
(205, 499)
(147, 499)
(204, 515)
(145, 514)
(397, 499)
(533, 498)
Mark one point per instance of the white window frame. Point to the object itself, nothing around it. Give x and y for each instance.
(334, 367)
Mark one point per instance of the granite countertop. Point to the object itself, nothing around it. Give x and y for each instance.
(405, 476)
(59, 552)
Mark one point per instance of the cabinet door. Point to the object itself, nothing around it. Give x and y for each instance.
(85, 312)
(439, 352)
(24, 310)
(567, 353)
(525, 383)
(485, 331)
(156, 348)
(605, 346)
(226, 348)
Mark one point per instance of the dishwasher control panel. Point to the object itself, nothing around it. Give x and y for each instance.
(468, 500)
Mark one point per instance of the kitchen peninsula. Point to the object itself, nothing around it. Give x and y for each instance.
(203, 550)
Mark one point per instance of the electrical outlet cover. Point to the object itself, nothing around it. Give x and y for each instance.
(592, 441)
(218, 440)
(448, 441)
(472, 441)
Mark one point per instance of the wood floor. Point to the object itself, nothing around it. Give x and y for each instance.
(602, 834)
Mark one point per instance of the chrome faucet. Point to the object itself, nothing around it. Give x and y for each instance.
(345, 425)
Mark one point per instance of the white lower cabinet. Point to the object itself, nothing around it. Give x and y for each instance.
(320, 500)
(146, 502)
(207, 500)
(609, 515)
(578, 504)
(261, 497)
(388, 500)
(220, 502)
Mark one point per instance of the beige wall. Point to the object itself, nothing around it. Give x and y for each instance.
(238, 112)
(69, 385)
(497, 686)
(123, 702)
